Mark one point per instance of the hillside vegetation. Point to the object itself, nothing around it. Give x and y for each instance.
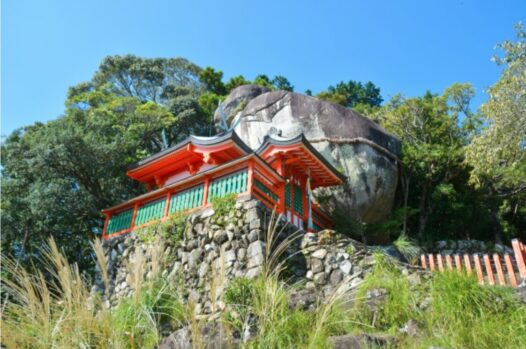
(389, 309)
(464, 170)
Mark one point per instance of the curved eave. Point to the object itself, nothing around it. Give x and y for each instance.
(300, 139)
(155, 194)
(195, 140)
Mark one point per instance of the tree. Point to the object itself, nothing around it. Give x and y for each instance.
(236, 81)
(353, 94)
(212, 80)
(498, 153)
(145, 79)
(56, 177)
(282, 83)
(431, 148)
(263, 80)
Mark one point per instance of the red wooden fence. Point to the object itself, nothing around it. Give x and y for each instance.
(489, 269)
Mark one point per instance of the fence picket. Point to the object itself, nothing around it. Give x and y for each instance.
(478, 268)
(520, 256)
(511, 272)
(467, 264)
(423, 261)
(431, 262)
(440, 264)
(498, 267)
(489, 270)
(458, 263)
(449, 262)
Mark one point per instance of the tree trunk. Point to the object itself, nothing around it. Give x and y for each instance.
(497, 227)
(423, 212)
(405, 188)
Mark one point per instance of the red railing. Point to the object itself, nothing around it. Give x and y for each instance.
(501, 268)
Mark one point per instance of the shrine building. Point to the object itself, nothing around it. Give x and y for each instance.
(281, 174)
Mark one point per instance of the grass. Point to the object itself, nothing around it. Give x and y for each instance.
(461, 314)
(54, 308)
(408, 248)
(263, 303)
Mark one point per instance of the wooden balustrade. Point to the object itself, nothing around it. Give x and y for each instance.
(501, 269)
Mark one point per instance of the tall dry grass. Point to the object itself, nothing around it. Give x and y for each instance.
(54, 308)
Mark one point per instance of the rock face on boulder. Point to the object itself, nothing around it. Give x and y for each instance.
(355, 145)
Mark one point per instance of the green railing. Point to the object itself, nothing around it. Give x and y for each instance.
(287, 195)
(120, 221)
(234, 183)
(151, 211)
(265, 190)
(188, 199)
(298, 200)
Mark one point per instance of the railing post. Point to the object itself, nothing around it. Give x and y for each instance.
(205, 191)
(106, 221)
(134, 215)
(250, 177)
(167, 205)
(519, 257)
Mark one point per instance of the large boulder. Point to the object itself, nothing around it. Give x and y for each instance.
(359, 148)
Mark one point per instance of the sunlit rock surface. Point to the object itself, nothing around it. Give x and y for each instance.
(359, 148)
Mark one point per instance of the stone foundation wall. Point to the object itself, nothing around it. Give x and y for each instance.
(214, 250)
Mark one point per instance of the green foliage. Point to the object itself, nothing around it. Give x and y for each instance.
(466, 315)
(147, 234)
(263, 80)
(56, 309)
(460, 313)
(224, 205)
(352, 94)
(397, 307)
(236, 81)
(171, 230)
(174, 228)
(239, 291)
(137, 319)
(56, 177)
(497, 153)
(408, 248)
(212, 80)
(282, 83)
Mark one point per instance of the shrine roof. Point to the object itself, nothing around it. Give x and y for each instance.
(196, 140)
(301, 155)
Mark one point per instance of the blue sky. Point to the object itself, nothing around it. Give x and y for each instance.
(402, 46)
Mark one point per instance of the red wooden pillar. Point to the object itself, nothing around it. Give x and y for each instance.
(135, 209)
(250, 177)
(205, 191)
(106, 221)
(281, 171)
(167, 205)
(304, 199)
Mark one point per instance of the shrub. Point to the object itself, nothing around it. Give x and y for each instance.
(467, 315)
(397, 306)
(174, 228)
(147, 234)
(408, 248)
(170, 230)
(224, 205)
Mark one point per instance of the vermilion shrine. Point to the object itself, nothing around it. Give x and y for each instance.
(281, 174)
